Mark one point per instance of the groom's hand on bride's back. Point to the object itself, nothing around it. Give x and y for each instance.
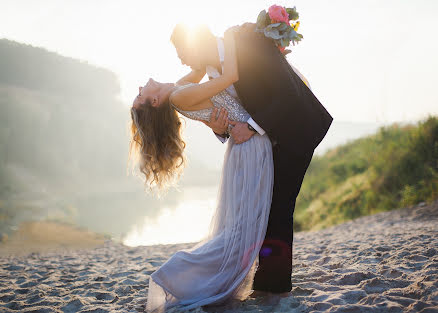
(219, 124)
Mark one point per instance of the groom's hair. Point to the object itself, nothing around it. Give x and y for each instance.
(181, 34)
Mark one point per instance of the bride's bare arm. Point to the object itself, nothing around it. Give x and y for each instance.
(194, 76)
(187, 98)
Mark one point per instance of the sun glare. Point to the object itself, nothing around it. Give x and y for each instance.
(188, 222)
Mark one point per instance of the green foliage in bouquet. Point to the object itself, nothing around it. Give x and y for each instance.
(293, 14)
(281, 33)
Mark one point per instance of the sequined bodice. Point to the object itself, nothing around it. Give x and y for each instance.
(221, 100)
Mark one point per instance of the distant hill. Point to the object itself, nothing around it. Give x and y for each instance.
(34, 68)
(395, 167)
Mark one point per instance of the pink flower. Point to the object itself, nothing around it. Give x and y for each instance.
(278, 14)
(281, 48)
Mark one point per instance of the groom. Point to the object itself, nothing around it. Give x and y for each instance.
(282, 106)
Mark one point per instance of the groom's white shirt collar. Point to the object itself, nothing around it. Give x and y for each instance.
(221, 49)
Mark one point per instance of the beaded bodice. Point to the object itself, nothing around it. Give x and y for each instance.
(221, 100)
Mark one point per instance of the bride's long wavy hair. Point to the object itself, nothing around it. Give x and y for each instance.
(156, 145)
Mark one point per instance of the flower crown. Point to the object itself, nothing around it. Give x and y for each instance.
(276, 25)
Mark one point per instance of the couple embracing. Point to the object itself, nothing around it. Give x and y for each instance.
(264, 110)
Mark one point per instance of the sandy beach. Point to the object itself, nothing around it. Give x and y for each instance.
(386, 262)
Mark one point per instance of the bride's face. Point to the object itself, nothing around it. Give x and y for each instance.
(151, 93)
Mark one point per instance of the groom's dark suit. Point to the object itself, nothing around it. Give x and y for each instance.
(296, 122)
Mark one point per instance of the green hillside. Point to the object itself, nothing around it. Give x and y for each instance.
(396, 167)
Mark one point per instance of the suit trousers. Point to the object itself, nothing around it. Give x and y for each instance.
(274, 272)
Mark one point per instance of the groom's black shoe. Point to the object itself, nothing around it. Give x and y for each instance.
(268, 298)
(275, 266)
(259, 294)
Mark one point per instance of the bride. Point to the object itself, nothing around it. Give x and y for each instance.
(222, 265)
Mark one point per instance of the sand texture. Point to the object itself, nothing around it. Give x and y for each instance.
(387, 262)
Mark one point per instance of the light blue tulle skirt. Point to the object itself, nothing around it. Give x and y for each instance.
(222, 266)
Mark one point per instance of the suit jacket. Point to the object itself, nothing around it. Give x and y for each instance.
(275, 96)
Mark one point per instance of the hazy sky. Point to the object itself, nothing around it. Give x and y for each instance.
(371, 61)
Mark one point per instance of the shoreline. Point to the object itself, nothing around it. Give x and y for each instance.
(48, 236)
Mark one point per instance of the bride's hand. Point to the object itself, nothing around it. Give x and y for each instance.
(240, 132)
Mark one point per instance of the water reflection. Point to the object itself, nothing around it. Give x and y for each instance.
(187, 222)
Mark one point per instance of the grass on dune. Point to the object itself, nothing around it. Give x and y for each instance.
(396, 167)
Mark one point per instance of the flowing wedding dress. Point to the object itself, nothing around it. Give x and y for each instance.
(222, 265)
